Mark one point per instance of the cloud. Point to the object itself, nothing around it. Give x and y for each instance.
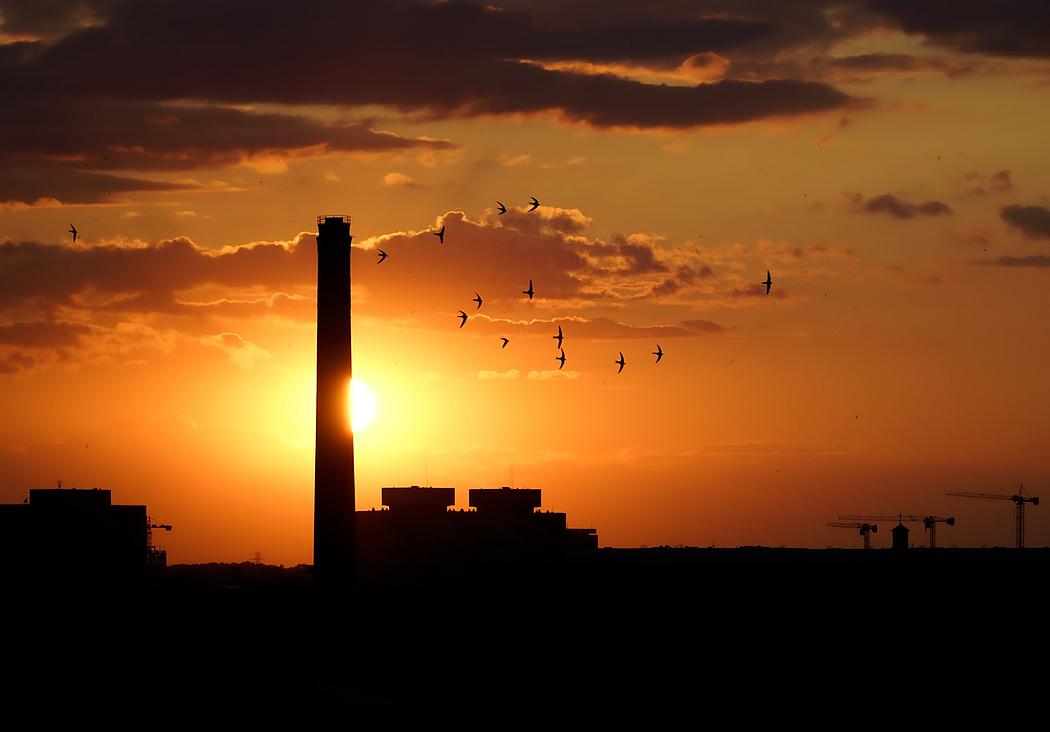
(1008, 28)
(549, 374)
(837, 67)
(70, 149)
(981, 184)
(241, 352)
(45, 182)
(511, 161)
(62, 275)
(399, 180)
(508, 375)
(596, 328)
(405, 62)
(43, 334)
(684, 276)
(896, 207)
(178, 278)
(16, 362)
(1032, 221)
(1035, 260)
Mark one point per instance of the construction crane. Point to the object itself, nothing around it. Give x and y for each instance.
(929, 522)
(1019, 500)
(864, 529)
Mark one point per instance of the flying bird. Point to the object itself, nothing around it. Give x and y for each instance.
(535, 204)
(502, 208)
(530, 292)
(478, 300)
(382, 255)
(769, 281)
(621, 362)
(463, 318)
(73, 231)
(559, 337)
(440, 234)
(505, 342)
(560, 358)
(659, 353)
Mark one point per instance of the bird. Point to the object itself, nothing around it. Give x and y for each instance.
(440, 234)
(505, 342)
(559, 337)
(73, 231)
(621, 362)
(478, 300)
(535, 204)
(530, 292)
(560, 358)
(659, 353)
(463, 318)
(382, 255)
(502, 208)
(769, 281)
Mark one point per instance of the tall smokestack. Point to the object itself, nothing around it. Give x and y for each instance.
(334, 546)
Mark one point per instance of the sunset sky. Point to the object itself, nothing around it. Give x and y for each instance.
(886, 161)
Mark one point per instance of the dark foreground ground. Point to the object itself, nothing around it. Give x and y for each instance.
(654, 628)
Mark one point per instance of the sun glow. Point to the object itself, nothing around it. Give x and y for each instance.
(363, 405)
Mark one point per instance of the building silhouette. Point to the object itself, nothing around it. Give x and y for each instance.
(420, 527)
(66, 533)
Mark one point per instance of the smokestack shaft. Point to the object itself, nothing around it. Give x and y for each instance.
(334, 505)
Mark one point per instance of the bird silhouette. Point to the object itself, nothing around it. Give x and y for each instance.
(621, 362)
(505, 342)
(73, 231)
(463, 318)
(535, 204)
(560, 358)
(382, 255)
(478, 300)
(659, 353)
(769, 281)
(440, 234)
(530, 292)
(559, 337)
(502, 208)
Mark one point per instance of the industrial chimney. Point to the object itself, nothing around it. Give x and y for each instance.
(334, 545)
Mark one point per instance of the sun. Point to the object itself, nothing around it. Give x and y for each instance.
(363, 405)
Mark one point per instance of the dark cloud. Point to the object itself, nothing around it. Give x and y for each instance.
(43, 334)
(123, 135)
(47, 18)
(684, 276)
(1000, 28)
(1035, 260)
(44, 181)
(887, 203)
(1032, 221)
(34, 272)
(15, 362)
(421, 279)
(869, 63)
(999, 182)
(166, 50)
(57, 148)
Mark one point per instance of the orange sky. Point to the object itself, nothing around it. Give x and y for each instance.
(886, 165)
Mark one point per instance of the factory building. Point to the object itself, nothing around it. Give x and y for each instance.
(66, 533)
(419, 524)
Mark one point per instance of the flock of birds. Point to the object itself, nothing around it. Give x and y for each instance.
(531, 293)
